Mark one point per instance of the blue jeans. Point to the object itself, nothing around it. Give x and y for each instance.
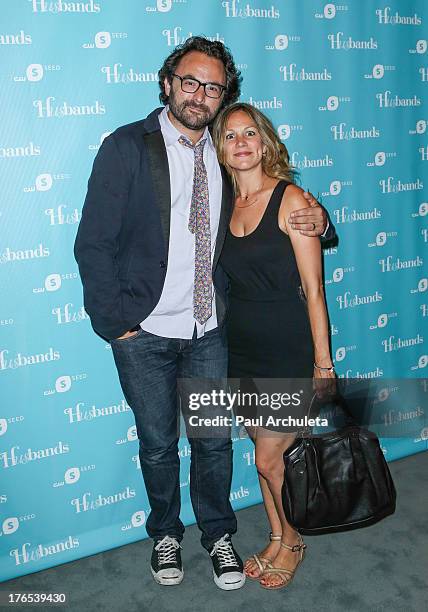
(149, 367)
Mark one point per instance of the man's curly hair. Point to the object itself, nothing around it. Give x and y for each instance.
(213, 49)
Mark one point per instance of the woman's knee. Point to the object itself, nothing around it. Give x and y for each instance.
(270, 467)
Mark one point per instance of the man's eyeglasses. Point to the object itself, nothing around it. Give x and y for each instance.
(190, 85)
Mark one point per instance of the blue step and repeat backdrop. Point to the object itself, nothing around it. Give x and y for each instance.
(345, 85)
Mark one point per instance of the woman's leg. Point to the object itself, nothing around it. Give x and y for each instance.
(251, 568)
(270, 447)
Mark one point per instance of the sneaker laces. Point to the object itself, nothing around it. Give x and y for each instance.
(166, 550)
(224, 551)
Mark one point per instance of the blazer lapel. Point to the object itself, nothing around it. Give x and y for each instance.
(225, 214)
(158, 162)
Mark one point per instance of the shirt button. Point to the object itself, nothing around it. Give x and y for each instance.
(162, 264)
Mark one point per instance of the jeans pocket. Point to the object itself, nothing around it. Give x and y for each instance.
(129, 338)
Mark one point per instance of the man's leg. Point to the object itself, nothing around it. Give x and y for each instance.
(147, 367)
(211, 458)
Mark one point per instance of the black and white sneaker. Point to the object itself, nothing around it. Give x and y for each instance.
(228, 571)
(166, 563)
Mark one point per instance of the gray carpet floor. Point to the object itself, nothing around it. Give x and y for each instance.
(380, 568)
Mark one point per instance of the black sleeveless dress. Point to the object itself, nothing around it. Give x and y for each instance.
(269, 335)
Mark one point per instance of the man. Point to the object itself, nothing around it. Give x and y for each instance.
(153, 224)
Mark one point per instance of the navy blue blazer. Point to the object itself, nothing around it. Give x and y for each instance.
(123, 237)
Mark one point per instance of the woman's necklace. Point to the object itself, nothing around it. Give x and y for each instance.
(246, 198)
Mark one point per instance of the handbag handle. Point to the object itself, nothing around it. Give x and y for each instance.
(306, 430)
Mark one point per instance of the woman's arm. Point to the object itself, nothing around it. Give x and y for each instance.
(313, 220)
(307, 251)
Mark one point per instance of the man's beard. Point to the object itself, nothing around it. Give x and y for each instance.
(191, 121)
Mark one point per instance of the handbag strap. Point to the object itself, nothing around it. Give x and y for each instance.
(339, 400)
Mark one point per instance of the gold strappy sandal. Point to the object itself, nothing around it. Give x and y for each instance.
(285, 575)
(262, 562)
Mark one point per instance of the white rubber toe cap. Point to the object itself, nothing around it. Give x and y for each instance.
(168, 576)
(229, 581)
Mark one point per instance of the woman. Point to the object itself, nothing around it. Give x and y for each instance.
(273, 331)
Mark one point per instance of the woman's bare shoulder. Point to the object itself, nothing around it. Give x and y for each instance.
(293, 199)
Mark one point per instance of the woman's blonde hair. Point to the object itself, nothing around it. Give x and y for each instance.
(275, 161)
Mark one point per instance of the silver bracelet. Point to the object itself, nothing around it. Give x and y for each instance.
(324, 369)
